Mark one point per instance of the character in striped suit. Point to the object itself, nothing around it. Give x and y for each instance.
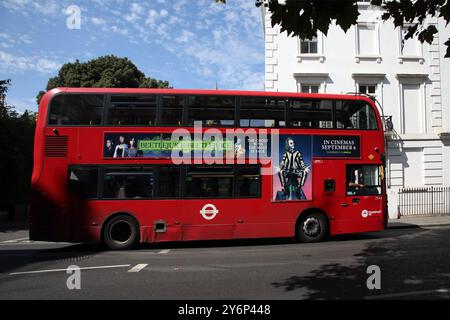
(293, 173)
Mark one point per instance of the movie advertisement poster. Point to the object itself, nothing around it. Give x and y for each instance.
(293, 178)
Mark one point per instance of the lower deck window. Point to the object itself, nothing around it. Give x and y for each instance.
(128, 183)
(206, 182)
(83, 181)
(163, 182)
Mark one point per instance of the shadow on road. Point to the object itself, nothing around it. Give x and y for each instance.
(16, 259)
(414, 264)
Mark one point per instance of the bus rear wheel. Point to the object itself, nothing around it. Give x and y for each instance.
(312, 227)
(121, 233)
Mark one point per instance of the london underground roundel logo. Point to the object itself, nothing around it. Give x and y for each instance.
(209, 211)
(364, 213)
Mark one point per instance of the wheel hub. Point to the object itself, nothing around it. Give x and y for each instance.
(311, 227)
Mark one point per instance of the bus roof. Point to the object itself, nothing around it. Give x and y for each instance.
(210, 92)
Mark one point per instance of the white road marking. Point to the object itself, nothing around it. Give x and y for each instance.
(15, 240)
(164, 251)
(64, 270)
(404, 294)
(138, 267)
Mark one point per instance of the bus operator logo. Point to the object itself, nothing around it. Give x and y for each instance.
(209, 211)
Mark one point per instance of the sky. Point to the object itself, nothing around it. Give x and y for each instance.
(190, 43)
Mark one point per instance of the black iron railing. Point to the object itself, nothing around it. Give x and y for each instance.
(424, 201)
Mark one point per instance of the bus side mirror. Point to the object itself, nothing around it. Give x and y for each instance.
(329, 185)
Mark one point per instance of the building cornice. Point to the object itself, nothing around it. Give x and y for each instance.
(311, 75)
(411, 75)
(379, 76)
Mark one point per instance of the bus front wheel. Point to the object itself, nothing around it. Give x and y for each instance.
(312, 227)
(121, 232)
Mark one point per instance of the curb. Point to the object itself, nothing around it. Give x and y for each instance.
(413, 226)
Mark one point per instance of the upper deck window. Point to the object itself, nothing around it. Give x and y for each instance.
(132, 110)
(265, 112)
(211, 110)
(306, 113)
(172, 110)
(76, 109)
(357, 115)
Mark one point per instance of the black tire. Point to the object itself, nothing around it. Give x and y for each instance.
(121, 233)
(312, 227)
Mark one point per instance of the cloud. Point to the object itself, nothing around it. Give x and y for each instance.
(14, 63)
(97, 21)
(206, 40)
(28, 7)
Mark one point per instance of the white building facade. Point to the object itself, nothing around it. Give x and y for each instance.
(411, 81)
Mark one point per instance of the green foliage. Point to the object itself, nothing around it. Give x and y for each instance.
(304, 18)
(16, 141)
(103, 72)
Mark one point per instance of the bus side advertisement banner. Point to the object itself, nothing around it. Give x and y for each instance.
(336, 146)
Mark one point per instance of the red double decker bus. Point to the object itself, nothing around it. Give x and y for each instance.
(123, 166)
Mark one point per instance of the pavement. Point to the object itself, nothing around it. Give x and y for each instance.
(418, 221)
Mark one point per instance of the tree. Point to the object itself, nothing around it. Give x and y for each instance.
(16, 141)
(304, 18)
(103, 72)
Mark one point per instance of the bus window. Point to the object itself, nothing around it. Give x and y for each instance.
(211, 110)
(209, 182)
(76, 109)
(248, 181)
(168, 182)
(355, 115)
(172, 110)
(305, 113)
(132, 110)
(263, 112)
(83, 181)
(363, 180)
(128, 183)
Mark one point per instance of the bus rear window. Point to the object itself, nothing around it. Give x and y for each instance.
(76, 109)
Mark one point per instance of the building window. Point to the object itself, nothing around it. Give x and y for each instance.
(409, 47)
(309, 88)
(367, 40)
(368, 89)
(308, 46)
(412, 108)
